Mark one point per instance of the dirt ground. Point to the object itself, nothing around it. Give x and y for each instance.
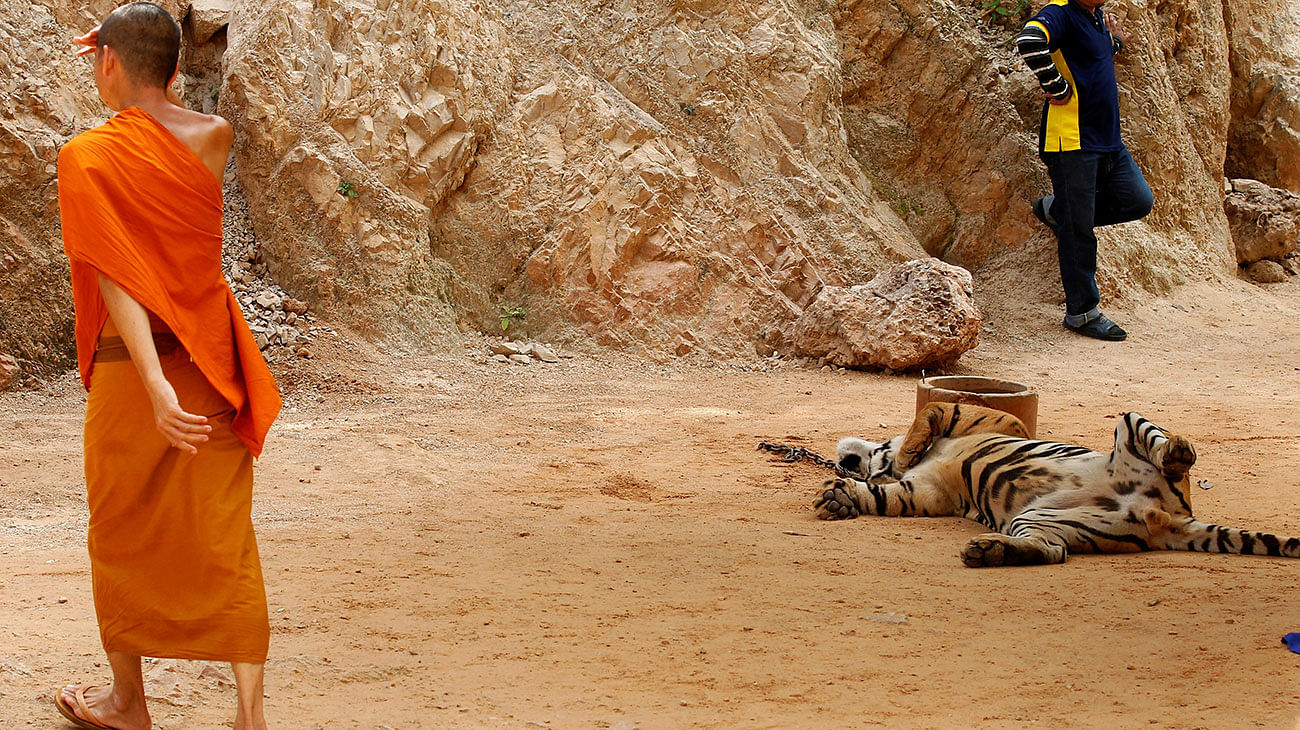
(454, 543)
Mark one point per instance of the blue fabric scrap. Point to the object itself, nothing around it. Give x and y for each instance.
(1292, 642)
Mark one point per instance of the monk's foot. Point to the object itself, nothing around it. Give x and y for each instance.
(100, 706)
(250, 721)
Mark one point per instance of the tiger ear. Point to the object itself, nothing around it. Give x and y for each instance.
(1157, 520)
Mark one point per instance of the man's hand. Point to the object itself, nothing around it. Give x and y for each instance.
(1115, 25)
(1061, 102)
(183, 430)
(89, 40)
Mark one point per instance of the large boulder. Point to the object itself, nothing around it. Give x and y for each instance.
(1266, 271)
(917, 314)
(1265, 221)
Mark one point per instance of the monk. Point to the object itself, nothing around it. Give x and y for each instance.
(180, 399)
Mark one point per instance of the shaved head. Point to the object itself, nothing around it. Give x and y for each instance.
(147, 40)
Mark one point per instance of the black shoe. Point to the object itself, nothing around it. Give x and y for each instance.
(1043, 211)
(1100, 328)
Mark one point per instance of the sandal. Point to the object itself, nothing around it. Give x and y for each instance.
(1098, 328)
(84, 719)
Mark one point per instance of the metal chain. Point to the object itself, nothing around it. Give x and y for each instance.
(791, 454)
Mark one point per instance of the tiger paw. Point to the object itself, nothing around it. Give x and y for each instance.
(985, 551)
(1178, 458)
(836, 501)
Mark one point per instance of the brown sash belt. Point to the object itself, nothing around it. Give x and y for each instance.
(113, 349)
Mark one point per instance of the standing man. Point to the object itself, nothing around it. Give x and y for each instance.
(1070, 46)
(180, 399)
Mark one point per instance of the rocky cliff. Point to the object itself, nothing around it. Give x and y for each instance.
(1264, 45)
(666, 176)
(46, 97)
(659, 178)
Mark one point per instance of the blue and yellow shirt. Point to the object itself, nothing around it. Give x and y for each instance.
(1083, 50)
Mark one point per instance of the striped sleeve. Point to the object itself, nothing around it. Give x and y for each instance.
(1034, 48)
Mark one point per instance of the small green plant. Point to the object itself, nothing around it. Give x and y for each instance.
(688, 110)
(1006, 13)
(509, 315)
(346, 189)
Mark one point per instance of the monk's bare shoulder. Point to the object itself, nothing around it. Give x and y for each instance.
(216, 140)
(218, 127)
(207, 132)
(208, 135)
(221, 136)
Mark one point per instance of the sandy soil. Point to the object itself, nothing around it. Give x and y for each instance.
(596, 544)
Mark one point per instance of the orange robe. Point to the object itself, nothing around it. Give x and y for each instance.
(173, 555)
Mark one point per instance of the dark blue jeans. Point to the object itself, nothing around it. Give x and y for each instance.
(1092, 189)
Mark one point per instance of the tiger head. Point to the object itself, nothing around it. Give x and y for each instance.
(871, 461)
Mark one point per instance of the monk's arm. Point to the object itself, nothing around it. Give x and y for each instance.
(183, 430)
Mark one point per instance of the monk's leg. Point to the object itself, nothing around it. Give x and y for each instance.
(121, 705)
(248, 686)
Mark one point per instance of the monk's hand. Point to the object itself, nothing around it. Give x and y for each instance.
(90, 41)
(184, 430)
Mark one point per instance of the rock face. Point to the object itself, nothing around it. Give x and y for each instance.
(206, 18)
(47, 96)
(686, 187)
(949, 136)
(8, 369)
(665, 176)
(353, 121)
(694, 184)
(1264, 140)
(940, 134)
(917, 314)
(687, 184)
(1265, 221)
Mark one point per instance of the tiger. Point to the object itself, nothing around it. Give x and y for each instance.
(936, 420)
(1045, 500)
